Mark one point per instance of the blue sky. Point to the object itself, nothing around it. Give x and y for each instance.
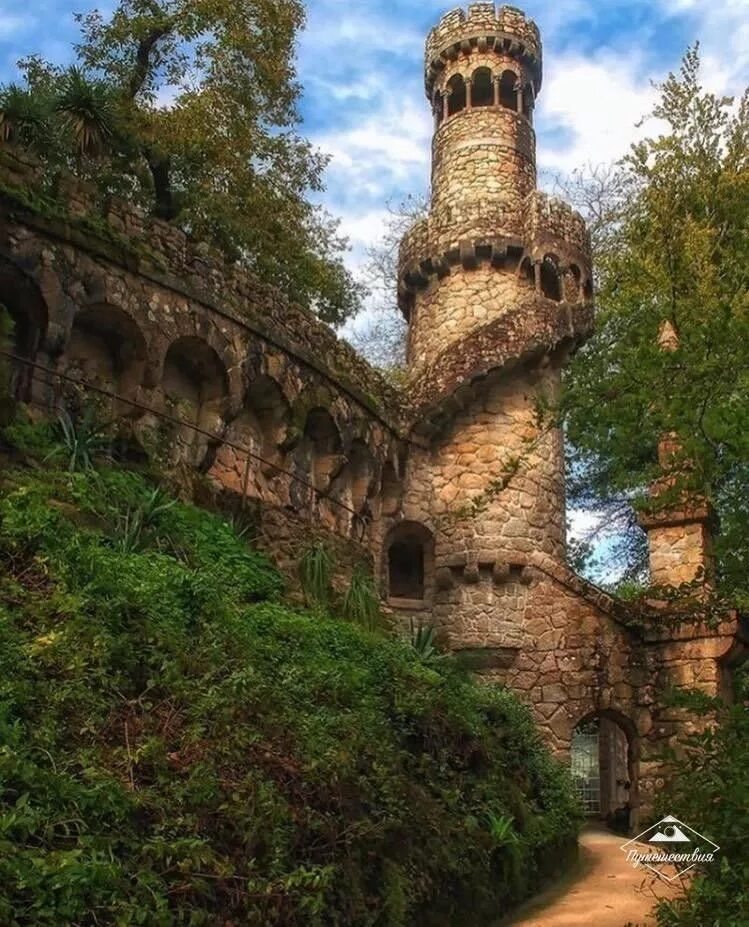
(361, 61)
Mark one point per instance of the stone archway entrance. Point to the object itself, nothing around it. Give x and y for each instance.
(604, 768)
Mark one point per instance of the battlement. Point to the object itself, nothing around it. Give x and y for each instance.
(549, 218)
(483, 26)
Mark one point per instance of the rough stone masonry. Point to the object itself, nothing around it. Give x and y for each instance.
(453, 487)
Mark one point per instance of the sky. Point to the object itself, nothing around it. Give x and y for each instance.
(361, 65)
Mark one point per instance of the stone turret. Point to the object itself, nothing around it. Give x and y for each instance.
(496, 286)
(483, 75)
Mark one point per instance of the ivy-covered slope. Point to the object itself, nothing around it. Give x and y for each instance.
(179, 747)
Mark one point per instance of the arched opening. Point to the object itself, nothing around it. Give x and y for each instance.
(195, 382)
(508, 94)
(391, 489)
(107, 348)
(409, 561)
(604, 768)
(23, 302)
(572, 284)
(551, 286)
(438, 108)
(248, 461)
(324, 441)
(527, 275)
(483, 88)
(528, 101)
(457, 101)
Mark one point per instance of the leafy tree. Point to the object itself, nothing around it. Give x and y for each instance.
(382, 338)
(672, 250)
(188, 107)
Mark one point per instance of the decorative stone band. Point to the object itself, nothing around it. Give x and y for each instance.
(685, 514)
(483, 27)
(501, 252)
(537, 327)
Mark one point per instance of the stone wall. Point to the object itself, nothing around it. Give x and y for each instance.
(203, 367)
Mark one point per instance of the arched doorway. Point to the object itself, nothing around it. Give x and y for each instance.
(603, 759)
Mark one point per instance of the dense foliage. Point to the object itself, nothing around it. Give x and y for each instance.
(711, 792)
(671, 250)
(179, 747)
(188, 108)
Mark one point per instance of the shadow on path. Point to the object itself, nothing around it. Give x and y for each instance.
(603, 890)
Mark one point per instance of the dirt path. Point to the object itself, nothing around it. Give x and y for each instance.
(604, 891)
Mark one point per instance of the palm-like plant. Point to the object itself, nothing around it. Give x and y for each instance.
(87, 111)
(24, 117)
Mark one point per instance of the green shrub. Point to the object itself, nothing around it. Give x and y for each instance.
(710, 792)
(177, 747)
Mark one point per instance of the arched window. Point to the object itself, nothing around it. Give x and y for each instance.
(508, 94)
(409, 552)
(456, 87)
(483, 88)
(551, 286)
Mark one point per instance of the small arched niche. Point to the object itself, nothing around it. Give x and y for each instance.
(551, 284)
(323, 440)
(249, 458)
(195, 382)
(409, 563)
(108, 349)
(22, 300)
(457, 96)
(483, 88)
(508, 93)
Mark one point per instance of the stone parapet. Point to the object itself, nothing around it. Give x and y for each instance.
(482, 26)
(551, 220)
(538, 327)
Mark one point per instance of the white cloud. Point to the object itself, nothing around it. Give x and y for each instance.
(595, 104)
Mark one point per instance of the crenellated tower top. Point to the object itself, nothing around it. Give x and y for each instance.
(492, 246)
(483, 28)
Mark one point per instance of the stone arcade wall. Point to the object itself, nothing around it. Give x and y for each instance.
(273, 406)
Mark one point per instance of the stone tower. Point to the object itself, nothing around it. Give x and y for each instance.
(496, 286)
